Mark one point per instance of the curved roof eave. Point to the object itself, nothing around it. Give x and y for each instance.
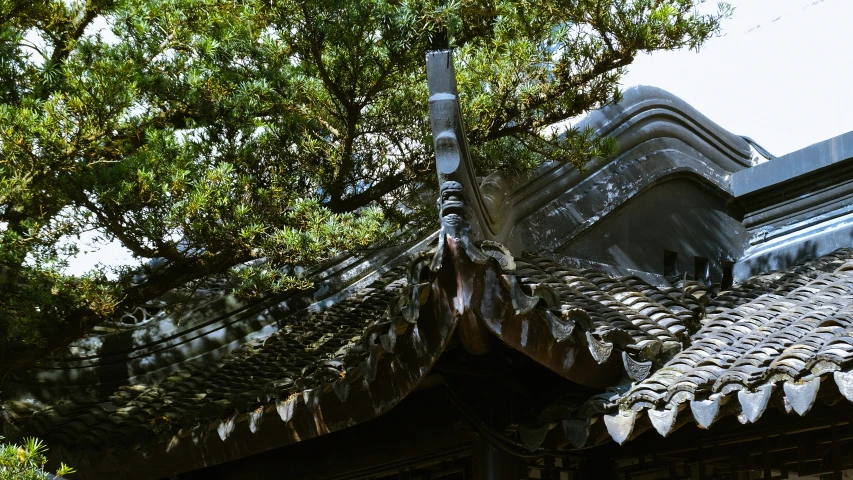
(658, 134)
(219, 323)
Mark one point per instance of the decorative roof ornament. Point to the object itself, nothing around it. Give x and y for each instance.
(464, 215)
(486, 297)
(464, 219)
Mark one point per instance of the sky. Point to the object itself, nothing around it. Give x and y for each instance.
(781, 73)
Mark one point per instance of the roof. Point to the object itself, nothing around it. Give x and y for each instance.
(289, 374)
(324, 371)
(806, 161)
(662, 346)
(208, 321)
(773, 337)
(772, 340)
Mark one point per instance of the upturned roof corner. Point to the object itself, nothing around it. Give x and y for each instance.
(460, 194)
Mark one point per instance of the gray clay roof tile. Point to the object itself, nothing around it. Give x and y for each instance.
(777, 328)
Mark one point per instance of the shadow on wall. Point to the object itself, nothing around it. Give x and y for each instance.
(675, 227)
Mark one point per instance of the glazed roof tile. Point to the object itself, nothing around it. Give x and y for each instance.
(627, 311)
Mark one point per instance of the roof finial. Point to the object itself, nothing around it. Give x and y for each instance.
(463, 212)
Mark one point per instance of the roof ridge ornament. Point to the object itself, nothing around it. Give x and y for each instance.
(477, 277)
(465, 221)
(464, 214)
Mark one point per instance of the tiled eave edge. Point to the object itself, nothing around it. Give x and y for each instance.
(394, 357)
(795, 382)
(624, 423)
(490, 297)
(203, 334)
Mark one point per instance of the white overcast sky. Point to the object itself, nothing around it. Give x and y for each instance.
(782, 73)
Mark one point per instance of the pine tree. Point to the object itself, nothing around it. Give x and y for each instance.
(215, 137)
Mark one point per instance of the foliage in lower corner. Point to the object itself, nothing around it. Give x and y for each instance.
(26, 461)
